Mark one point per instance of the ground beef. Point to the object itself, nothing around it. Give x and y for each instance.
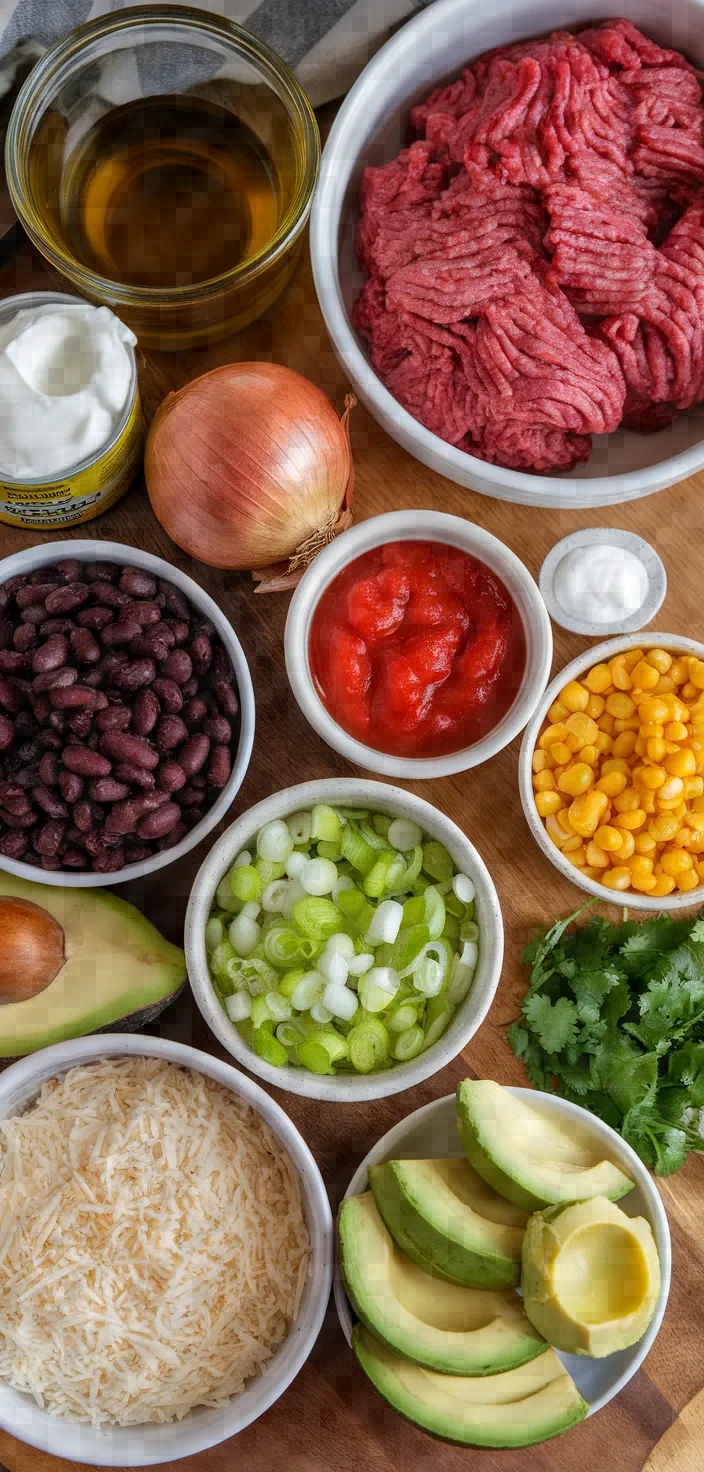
(535, 259)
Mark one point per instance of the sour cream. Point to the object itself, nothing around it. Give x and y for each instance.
(65, 381)
(600, 584)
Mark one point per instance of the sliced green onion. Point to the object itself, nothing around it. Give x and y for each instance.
(414, 911)
(360, 963)
(407, 1045)
(299, 828)
(314, 1056)
(274, 842)
(437, 862)
(269, 1048)
(284, 946)
(451, 929)
(352, 814)
(381, 824)
(268, 870)
(280, 1008)
(407, 947)
(244, 934)
(251, 908)
(325, 824)
(427, 977)
(223, 953)
(334, 1045)
(214, 932)
(294, 893)
(437, 1017)
(329, 851)
(275, 896)
(404, 1017)
(246, 883)
(454, 906)
(464, 888)
(316, 917)
(333, 966)
(368, 1043)
(294, 863)
(238, 1006)
(435, 912)
(469, 931)
(289, 982)
(341, 885)
(260, 1012)
(360, 854)
(320, 1013)
(318, 876)
(412, 865)
(377, 878)
(224, 897)
(342, 943)
(377, 988)
(352, 902)
(372, 837)
(290, 1033)
(252, 973)
(244, 858)
(340, 1001)
(307, 991)
(386, 923)
(404, 834)
(440, 952)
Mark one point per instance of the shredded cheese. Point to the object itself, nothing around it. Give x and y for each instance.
(153, 1244)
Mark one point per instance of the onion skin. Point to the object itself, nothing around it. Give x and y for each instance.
(246, 463)
(32, 950)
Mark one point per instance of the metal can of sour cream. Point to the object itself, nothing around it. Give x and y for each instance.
(84, 490)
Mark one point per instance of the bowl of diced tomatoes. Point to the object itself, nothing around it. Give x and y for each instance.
(417, 645)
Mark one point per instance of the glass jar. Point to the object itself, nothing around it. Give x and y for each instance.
(143, 61)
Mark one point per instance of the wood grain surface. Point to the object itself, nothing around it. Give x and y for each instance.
(331, 1420)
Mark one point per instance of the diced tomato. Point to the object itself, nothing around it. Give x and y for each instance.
(432, 653)
(431, 602)
(485, 651)
(376, 606)
(407, 554)
(348, 676)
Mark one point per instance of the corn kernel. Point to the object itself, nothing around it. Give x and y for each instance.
(665, 685)
(596, 705)
(627, 801)
(654, 710)
(598, 679)
(589, 754)
(672, 789)
(631, 820)
(615, 764)
(696, 673)
(651, 729)
(577, 857)
(660, 660)
(655, 748)
(620, 705)
(539, 761)
(576, 779)
(553, 829)
(645, 844)
(688, 880)
(557, 712)
(572, 844)
(663, 827)
(675, 860)
(664, 884)
(563, 819)
(560, 753)
(647, 802)
(606, 724)
(680, 670)
(551, 734)
(617, 879)
(644, 883)
(547, 803)
(631, 658)
(643, 676)
(620, 677)
(590, 872)
(574, 696)
(612, 783)
(603, 743)
(681, 763)
(680, 810)
(544, 782)
(625, 849)
(583, 727)
(609, 839)
(689, 691)
(573, 741)
(640, 865)
(694, 787)
(624, 744)
(684, 838)
(696, 844)
(678, 710)
(596, 857)
(650, 777)
(586, 812)
(640, 748)
(631, 723)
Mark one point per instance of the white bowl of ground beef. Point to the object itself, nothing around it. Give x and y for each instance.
(184, 1265)
(580, 388)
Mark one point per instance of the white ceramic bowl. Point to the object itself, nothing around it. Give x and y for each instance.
(370, 128)
(405, 526)
(97, 551)
(432, 1133)
(140, 1446)
(348, 792)
(596, 655)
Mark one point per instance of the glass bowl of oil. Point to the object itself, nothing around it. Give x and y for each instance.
(164, 160)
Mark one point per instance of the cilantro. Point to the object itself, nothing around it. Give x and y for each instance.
(614, 1019)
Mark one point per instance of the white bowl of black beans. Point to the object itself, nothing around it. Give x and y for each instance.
(126, 713)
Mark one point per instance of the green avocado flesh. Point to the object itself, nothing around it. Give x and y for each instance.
(518, 1408)
(525, 1156)
(456, 1330)
(445, 1217)
(118, 968)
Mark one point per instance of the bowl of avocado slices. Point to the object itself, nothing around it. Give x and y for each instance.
(503, 1265)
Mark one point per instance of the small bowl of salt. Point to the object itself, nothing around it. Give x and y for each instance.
(603, 581)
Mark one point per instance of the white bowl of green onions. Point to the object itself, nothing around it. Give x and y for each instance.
(344, 940)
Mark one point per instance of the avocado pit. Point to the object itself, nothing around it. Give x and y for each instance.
(32, 951)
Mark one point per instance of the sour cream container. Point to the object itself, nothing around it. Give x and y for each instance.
(79, 492)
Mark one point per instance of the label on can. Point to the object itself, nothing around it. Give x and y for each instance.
(80, 494)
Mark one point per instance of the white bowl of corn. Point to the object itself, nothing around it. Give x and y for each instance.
(611, 771)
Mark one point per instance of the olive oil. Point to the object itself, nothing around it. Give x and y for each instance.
(168, 192)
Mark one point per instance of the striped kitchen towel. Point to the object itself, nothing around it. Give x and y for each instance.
(327, 42)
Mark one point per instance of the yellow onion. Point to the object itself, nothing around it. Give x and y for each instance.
(250, 466)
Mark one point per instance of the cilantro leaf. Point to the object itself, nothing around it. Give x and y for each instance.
(538, 952)
(660, 1145)
(697, 931)
(529, 1051)
(650, 940)
(686, 1067)
(590, 989)
(554, 1023)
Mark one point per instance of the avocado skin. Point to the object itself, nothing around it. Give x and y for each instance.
(120, 973)
(442, 1257)
(414, 1411)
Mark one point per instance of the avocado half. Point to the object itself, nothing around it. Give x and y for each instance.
(118, 968)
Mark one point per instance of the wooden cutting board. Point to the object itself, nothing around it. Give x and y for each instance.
(681, 1449)
(330, 1419)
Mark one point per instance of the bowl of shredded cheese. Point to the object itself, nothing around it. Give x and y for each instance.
(165, 1251)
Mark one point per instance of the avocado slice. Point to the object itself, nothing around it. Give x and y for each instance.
(528, 1158)
(459, 1331)
(518, 1408)
(445, 1217)
(591, 1276)
(118, 968)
